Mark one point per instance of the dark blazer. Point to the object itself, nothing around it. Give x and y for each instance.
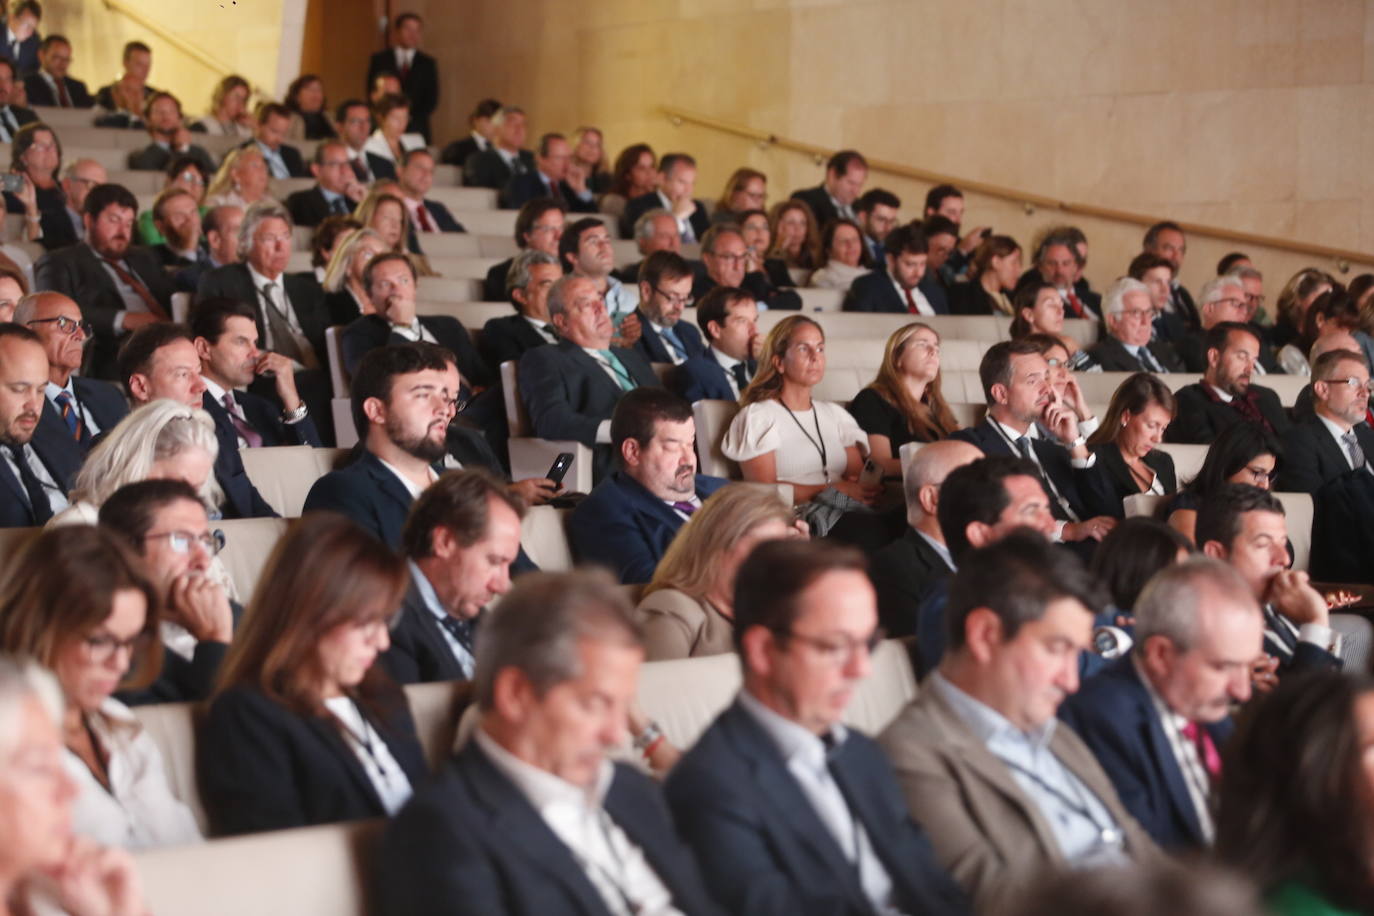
(1200, 418)
(182, 681)
(818, 199)
(265, 418)
(1192, 349)
(875, 292)
(59, 454)
(763, 848)
(75, 271)
(370, 332)
(1184, 308)
(419, 653)
(568, 394)
(494, 286)
(1342, 533)
(442, 217)
(457, 152)
(470, 843)
(1112, 355)
(290, 157)
(26, 60)
(1281, 641)
(508, 338)
(470, 448)
(241, 498)
(702, 378)
(653, 348)
(307, 300)
(971, 299)
(21, 114)
(309, 207)
(623, 526)
(638, 206)
(58, 223)
(420, 85)
(155, 158)
(756, 284)
(264, 767)
(1113, 713)
(172, 262)
(903, 573)
(366, 492)
(522, 188)
(1109, 481)
(488, 170)
(102, 400)
(1054, 458)
(934, 288)
(41, 94)
(1311, 456)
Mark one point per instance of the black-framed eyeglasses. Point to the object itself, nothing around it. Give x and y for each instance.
(837, 650)
(1260, 475)
(211, 542)
(673, 298)
(66, 325)
(1353, 383)
(102, 647)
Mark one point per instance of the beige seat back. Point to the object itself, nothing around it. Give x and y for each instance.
(1297, 510)
(517, 419)
(283, 475)
(713, 419)
(338, 378)
(248, 542)
(1287, 387)
(544, 536)
(172, 728)
(1188, 459)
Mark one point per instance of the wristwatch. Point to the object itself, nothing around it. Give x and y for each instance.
(292, 417)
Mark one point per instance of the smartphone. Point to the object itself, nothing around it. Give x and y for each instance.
(871, 475)
(559, 467)
(12, 183)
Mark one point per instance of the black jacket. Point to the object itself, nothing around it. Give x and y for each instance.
(1112, 355)
(1311, 456)
(39, 93)
(305, 295)
(1109, 481)
(369, 332)
(309, 207)
(155, 158)
(508, 338)
(419, 652)
(488, 170)
(368, 493)
(902, 574)
(420, 85)
(1202, 416)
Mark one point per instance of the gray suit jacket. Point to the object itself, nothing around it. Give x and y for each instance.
(986, 832)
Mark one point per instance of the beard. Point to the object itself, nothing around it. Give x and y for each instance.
(421, 446)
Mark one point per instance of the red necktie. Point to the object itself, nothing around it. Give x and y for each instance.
(1206, 748)
(63, 99)
(1076, 305)
(422, 217)
(128, 279)
(911, 302)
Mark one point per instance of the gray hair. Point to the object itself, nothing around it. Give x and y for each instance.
(518, 277)
(26, 308)
(558, 302)
(20, 680)
(257, 214)
(1172, 600)
(644, 226)
(1245, 273)
(1068, 236)
(506, 110)
(923, 467)
(156, 430)
(1212, 290)
(1114, 300)
(538, 624)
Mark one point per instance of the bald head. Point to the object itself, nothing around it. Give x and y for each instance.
(1334, 340)
(79, 178)
(63, 341)
(924, 472)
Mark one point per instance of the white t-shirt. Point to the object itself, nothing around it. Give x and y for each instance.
(765, 426)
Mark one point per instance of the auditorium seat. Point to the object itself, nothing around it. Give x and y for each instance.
(449, 290)
(181, 306)
(544, 536)
(338, 378)
(61, 118)
(453, 244)
(712, 420)
(1188, 459)
(820, 300)
(840, 385)
(284, 474)
(532, 457)
(1297, 508)
(248, 542)
(473, 315)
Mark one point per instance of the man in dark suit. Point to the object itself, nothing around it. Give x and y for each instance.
(665, 289)
(390, 282)
(548, 178)
(401, 408)
(35, 472)
(1222, 299)
(162, 114)
(415, 179)
(119, 288)
(336, 191)
(21, 36)
(729, 321)
(532, 274)
(1166, 240)
(478, 833)
(76, 409)
(904, 571)
(538, 225)
(220, 232)
(12, 117)
(570, 389)
(876, 213)
(585, 250)
(723, 254)
(457, 152)
(226, 339)
(1128, 324)
(160, 361)
(176, 215)
(418, 72)
(50, 86)
(1225, 394)
(677, 179)
(786, 809)
(461, 537)
(1157, 718)
(1059, 261)
(283, 160)
(630, 517)
(165, 524)
(1335, 439)
(845, 174)
(942, 239)
(897, 289)
(494, 166)
(354, 120)
(1245, 527)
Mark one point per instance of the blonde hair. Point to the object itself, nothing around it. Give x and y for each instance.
(368, 206)
(691, 561)
(336, 273)
(929, 418)
(767, 382)
(222, 185)
(157, 430)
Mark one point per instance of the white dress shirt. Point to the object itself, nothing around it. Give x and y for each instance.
(614, 865)
(1185, 755)
(411, 488)
(543, 327)
(923, 306)
(383, 771)
(430, 597)
(52, 391)
(57, 500)
(728, 363)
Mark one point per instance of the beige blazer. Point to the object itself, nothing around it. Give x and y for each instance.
(986, 832)
(676, 625)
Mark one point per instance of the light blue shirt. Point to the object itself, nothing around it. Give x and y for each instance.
(1081, 824)
(276, 165)
(431, 600)
(939, 548)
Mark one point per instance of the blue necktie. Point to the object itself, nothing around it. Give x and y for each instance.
(669, 335)
(70, 416)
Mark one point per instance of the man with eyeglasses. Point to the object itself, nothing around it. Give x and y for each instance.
(77, 409)
(1004, 792)
(548, 178)
(723, 254)
(165, 523)
(35, 476)
(585, 250)
(1223, 299)
(1335, 439)
(120, 287)
(336, 189)
(876, 213)
(1225, 394)
(538, 226)
(1129, 323)
(787, 810)
(665, 290)
(50, 85)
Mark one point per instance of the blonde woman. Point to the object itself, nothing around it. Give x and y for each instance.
(746, 189)
(903, 403)
(383, 212)
(688, 606)
(345, 298)
(229, 115)
(241, 180)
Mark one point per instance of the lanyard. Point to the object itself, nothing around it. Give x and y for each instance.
(818, 442)
(365, 741)
(1108, 834)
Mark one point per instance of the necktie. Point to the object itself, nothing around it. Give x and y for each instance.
(128, 278)
(552, 190)
(246, 433)
(284, 339)
(1074, 303)
(670, 337)
(1027, 452)
(1148, 360)
(63, 99)
(911, 302)
(1245, 406)
(741, 372)
(1206, 748)
(72, 417)
(38, 500)
(622, 375)
(6, 131)
(422, 217)
(685, 507)
(340, 206)
(1065, 510)
(1352, 448)
(460, 630)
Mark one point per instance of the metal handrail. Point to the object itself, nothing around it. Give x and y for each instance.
(199, 55)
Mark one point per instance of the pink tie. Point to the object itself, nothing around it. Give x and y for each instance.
(246, 432)
(1206, 748)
